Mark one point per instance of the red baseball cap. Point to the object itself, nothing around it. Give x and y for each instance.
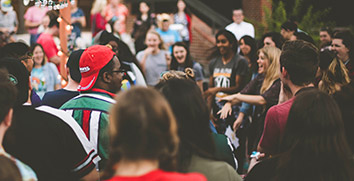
(92, 61)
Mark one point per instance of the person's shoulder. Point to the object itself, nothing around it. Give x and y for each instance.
(43, 37)
(51, 65)
(230, 25)
(239, 58)
(197, 65)
(214, 60)
(140, 53)
(282, 108)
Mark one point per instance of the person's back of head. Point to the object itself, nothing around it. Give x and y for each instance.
(15, 50)
(300, 59)
(8, 93)
(19, 76)
(314, 143)
(53, 19)
(142, 127)
(192, 117)
(8, 170)
(73, 65)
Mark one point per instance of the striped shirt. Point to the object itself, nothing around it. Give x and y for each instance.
(90, 110)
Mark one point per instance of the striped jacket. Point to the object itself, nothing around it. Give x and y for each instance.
(90, 110)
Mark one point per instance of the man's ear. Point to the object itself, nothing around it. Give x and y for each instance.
(106, 77)
(8, 118)
(284, 73)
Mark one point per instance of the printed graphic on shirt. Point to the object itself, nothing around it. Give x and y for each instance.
(222, 79)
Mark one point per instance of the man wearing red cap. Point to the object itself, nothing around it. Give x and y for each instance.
(101, 79)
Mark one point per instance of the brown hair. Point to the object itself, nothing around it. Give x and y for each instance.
(9, 170)
(142, 126)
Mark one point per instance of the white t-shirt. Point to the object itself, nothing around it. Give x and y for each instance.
(239, 30)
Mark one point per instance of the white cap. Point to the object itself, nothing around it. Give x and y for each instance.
(6, 5)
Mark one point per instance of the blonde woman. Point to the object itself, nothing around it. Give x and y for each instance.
(154, 59)
(98, 21)
(334, 77)
(262, 91)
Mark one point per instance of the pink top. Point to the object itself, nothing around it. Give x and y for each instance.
(49, 46)
(160, 175)
(121, 12)
(35, 14)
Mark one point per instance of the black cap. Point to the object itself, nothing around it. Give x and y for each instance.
(18, 75)
(73, 65)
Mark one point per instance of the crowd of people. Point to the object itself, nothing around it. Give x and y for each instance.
(135, 106)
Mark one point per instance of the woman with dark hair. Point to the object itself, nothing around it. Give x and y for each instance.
(228, 71)
(197, 150)
(248, 49)
(128, 60)
(272, 39)
(144, 140)
(313, 146)
(145, 21)
(181, 59)
(44, 75)
(183, 17)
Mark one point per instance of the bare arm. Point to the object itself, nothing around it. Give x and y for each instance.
(250, 99)
(29, 24)
(55, 60)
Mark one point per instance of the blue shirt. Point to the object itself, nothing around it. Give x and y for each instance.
(169, 36)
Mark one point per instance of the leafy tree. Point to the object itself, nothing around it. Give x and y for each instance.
(307, 20)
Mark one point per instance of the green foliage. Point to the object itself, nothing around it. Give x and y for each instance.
(276, 18)
(308, 20)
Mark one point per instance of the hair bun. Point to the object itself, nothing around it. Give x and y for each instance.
(189, 73)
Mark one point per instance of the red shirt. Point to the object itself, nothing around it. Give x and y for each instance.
(160, 175)
(274, 126)
(49, 46)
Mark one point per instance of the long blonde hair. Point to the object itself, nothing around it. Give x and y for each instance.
(98, 7)
(272, 73)
(335, 77)
(161, 44)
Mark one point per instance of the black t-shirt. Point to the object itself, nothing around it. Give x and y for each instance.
(51, 143)
(57, 98)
